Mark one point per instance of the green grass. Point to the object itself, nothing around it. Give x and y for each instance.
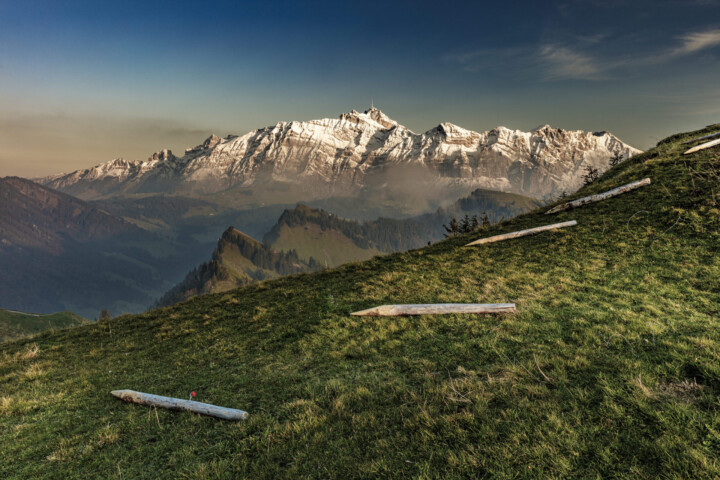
(14, 324)
(329, 247)
(240, 266)
(609, 369)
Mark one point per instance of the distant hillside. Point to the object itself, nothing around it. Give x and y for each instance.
(496, 205)
(158, 211)
(334, 241)
(35, 216)
(610, 368)
(306, 239)
(237, 260)
(15, 325)
(60, 253)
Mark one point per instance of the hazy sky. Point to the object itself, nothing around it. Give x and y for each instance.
(83, 82)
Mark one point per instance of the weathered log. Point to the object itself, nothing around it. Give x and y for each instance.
(600, 196)
(435, 308)
(178, 404)
(706, 137)
(522, 233)
(703, 146)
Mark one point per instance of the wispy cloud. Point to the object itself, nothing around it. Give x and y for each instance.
(560, 61)
(547, 62)
(487, 58)
(697, 41)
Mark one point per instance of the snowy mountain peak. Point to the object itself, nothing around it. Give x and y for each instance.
(340, 156)
(381, 118)
(211, 141)
(372, 117)
(162, 155)
(450, 129)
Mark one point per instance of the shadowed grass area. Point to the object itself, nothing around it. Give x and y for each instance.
(610, 368)
(14, 324)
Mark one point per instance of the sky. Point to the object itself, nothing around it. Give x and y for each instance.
(83, 82)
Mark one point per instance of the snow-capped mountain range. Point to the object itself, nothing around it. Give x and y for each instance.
(342, 155)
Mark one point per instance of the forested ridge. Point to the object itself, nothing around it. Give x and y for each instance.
(393, 235)
(268, 262)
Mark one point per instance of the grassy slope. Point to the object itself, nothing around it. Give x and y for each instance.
(17, 324)
(610, 368)
(504, 199)
(241, 266)
(240, 269)
(329, 246)
(237, 268)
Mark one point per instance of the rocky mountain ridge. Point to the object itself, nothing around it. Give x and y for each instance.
(356, 150)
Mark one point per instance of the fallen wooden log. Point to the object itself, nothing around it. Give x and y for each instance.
(435, 308)
(178, 404)
(522, 233)
(706, 137)
(599, 197)
(703, 146)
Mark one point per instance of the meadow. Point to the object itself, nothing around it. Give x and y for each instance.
(609, 369)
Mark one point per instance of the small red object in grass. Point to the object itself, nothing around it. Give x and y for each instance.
(193, 395)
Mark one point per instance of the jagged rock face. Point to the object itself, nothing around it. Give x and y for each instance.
(339, 156)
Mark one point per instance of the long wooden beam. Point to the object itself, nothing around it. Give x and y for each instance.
(522, 233)
(435, 308)
(599, 197)
(706, 137)
(703, 146)
(178, 404)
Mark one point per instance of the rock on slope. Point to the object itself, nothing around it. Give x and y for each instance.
(355, 150)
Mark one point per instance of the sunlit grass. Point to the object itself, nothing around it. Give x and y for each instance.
(609, 368)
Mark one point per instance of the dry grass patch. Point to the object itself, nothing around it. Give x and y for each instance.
(687, 391)
(31, 351)
(35, 371)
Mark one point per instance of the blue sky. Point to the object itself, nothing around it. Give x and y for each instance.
(83, 82)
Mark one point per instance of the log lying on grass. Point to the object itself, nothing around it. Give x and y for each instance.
(703, 146)
(178, 404)
(436, 308)
(600, 196)
(522, 233)
(706, 137)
